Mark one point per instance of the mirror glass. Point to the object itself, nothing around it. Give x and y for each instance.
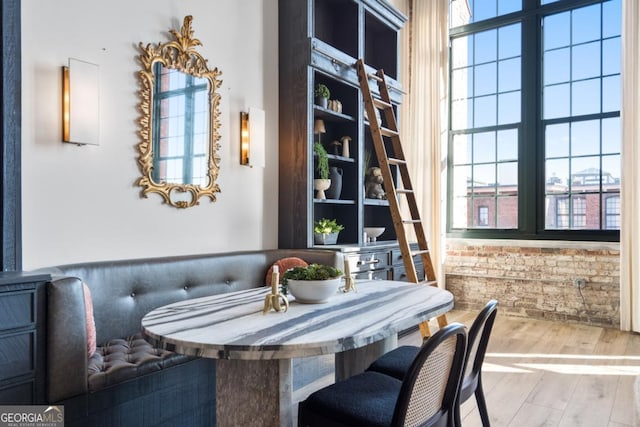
(180, 120)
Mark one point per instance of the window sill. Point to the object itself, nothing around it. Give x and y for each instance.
(551, 244)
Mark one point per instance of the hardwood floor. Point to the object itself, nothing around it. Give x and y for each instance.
(542, 373)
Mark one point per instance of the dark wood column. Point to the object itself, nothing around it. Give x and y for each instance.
(10, 139)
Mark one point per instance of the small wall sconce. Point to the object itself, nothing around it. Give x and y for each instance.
(252, 140)
(319, 128)
(80, 102)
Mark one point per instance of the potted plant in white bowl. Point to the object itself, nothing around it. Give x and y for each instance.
(325, 231)
(313, 284)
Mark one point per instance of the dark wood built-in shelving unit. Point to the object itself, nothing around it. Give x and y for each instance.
(320, 42)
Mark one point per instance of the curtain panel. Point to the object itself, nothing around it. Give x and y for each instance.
(423, 116)
(630, 187)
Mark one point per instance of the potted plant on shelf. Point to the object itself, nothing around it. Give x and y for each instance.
(322, 168)
(325, 231)
(322, 95)
(314, 283)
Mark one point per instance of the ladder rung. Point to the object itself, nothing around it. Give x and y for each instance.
(375, 77)
(428, 282)
(403, 191)
(381, 104)
(420, 252)
(393, 161)
(388, 132)
(411, 221)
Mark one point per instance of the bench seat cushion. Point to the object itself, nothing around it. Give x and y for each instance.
(120, 360)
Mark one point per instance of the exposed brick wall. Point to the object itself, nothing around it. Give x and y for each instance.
(535, 279)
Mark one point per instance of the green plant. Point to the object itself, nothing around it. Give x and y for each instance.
(322, 91)
(311, 272)
(323, 160)
(327, 226)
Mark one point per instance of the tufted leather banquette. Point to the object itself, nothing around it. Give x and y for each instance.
(123, 292)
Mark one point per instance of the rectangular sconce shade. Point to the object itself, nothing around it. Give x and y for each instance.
(81, 103)
(252, 138)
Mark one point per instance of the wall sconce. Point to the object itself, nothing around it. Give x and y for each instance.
(252, 140)
(319, 128)
(80, 102)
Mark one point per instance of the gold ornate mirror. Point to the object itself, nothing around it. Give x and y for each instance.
(180, 120)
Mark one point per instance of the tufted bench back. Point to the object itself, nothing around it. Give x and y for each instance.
(124, 291)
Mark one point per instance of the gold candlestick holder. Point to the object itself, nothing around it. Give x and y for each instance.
(275, 300)
(349, 283)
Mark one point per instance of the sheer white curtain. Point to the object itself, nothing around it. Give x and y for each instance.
(423, 116)
(630, 197)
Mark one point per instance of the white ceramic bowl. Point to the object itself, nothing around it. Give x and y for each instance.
(374, 232)
(313, 291)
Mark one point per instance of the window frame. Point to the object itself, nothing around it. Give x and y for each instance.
(531, 192)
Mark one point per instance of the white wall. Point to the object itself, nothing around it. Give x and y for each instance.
(81, 203)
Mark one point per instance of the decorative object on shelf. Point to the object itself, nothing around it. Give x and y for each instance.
(345, 145)
(336, 147)
(335, 175)
(373, 184)
(313, 284)
(320, 185)
(335, 105)
(322, 182)
(319, 128)
(272, 300)
(322, 95)
(325, 231)
(162, 65)
(373, 233)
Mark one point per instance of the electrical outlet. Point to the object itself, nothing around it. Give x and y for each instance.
(580, 282)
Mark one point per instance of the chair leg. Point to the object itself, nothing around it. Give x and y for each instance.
(482, 405)
(457, 419)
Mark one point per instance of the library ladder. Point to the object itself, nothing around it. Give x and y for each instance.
(386, 139)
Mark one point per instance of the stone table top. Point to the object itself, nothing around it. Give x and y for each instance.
(233, 326)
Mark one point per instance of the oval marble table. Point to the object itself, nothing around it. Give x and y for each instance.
(253, 373)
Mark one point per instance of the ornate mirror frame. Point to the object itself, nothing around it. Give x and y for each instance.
(178, 54)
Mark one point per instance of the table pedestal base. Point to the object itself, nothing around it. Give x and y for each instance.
(355, 361)
(258, 393)
(253, 393)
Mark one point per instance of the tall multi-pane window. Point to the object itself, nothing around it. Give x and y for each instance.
(534, 117)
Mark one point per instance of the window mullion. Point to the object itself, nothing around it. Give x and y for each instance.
(530, 181)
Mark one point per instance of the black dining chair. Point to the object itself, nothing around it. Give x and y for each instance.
(426, 396)
(396, 363)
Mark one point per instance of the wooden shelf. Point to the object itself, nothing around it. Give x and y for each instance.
(376, 202)
(326, 114)
(335, 201)
(341, 158)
